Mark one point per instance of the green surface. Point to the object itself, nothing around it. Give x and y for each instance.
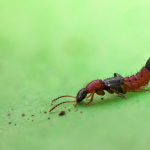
(54, 48)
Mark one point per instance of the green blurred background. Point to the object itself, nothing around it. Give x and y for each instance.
(53, 48)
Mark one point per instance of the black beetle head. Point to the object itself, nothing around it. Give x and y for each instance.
(81, 95)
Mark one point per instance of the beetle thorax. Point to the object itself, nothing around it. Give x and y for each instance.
(96, 84)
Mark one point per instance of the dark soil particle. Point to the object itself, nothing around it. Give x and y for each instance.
(61, 113)
(49, 118)
(45, 112)
(32, 115)
(23, 114)
(9, 122)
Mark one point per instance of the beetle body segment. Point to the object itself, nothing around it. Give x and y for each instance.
(114, 83)
(96, 84)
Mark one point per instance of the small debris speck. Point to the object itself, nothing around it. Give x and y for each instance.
(75, 110)
(69, 110)
(23, 114)
(45, 112)
(102, 98)
(9, 122)
(61, 113)
(8, 114)
(80, 111)
(40, 111)
(32, 120)
(12, 109)
(32, 115)
(15, 124)
(49, 118)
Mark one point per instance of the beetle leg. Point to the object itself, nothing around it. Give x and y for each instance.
(118, 93)
(136, 90)
(88, 96)
(110, 91)
(116, 74)
(92, 95)
(76, 104)
(129, 85)
(141, 90)
(124, 90)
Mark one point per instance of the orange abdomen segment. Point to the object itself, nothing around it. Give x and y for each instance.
(140, 79)
(128, 85)
(146, 74)
(134, 82)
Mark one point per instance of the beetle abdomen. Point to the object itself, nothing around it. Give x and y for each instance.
(142, 78)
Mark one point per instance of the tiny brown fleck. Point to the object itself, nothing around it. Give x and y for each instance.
(69, 110)
(32, 115)
(45, 112)
(8, 114)
(80, 111)
(49, 118)
(15, 124)
(9, 122)
(75, 110)
(102, 98)
(23, 114)
(61, 113)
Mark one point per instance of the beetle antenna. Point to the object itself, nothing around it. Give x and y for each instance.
(62, 103)
(61, 97)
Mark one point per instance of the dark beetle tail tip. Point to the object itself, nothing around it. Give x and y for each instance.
(147, 66)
